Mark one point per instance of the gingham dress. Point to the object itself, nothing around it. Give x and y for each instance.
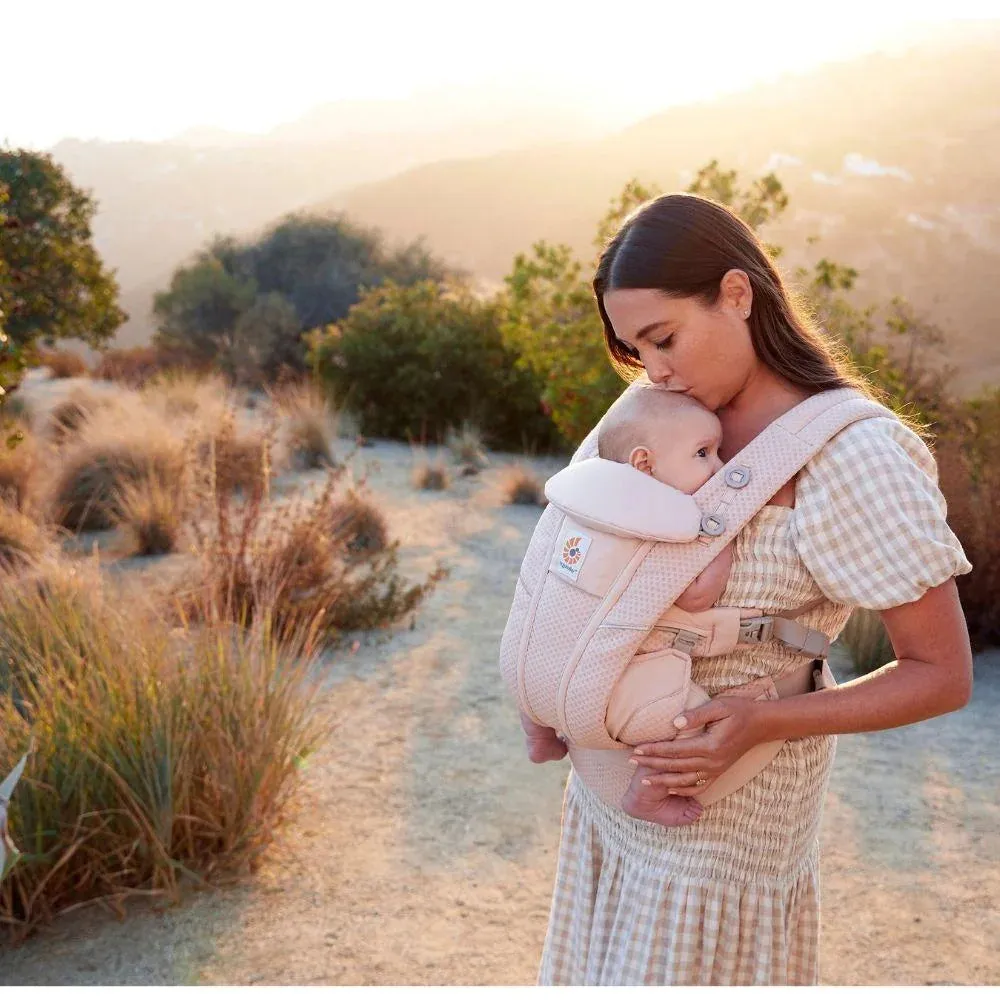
(733, 899)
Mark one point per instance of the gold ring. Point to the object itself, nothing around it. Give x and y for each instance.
(702, 781)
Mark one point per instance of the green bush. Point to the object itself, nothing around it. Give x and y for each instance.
(415, 361)
(244, 305)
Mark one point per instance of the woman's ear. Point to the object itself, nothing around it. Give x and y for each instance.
(737, 292)
(641, 459)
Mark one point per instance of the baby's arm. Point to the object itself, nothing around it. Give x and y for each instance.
(708, 586)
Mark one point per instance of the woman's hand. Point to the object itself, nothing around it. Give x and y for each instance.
(731, 727)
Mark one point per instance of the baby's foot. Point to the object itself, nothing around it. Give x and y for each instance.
(655, 806)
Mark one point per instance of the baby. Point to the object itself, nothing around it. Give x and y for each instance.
(674, 439)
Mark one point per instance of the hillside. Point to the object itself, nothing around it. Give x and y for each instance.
(159, 202)
(893, 161)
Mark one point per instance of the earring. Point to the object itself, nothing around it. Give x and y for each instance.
(746, 315)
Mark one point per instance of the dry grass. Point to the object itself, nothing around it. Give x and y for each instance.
(358, 526)
(867, 641)
(236, 458)
(151, 513)
(431, 475)
(309, 423)
(466, 447)
(521, 486)
(68, 417)
(295, 562)
(109, 455)
(188, 395)
(62, 364)
(162, 757)
(132, 367)
(23, 541)
(20, 465)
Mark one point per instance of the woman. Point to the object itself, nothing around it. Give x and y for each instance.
(687, 293)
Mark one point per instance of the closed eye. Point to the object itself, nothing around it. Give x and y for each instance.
(662, 345)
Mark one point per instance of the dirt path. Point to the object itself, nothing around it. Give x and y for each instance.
(423, 846)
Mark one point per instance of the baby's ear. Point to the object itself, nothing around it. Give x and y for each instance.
(641, 459)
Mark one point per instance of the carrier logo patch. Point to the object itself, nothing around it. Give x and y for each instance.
(574, 551)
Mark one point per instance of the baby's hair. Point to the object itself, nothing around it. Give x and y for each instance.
(624, 425)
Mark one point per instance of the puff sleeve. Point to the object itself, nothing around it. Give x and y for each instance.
(869, 519)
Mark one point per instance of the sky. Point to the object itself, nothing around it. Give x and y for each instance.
(144, 70)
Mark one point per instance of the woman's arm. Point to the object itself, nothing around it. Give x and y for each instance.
(932, 676)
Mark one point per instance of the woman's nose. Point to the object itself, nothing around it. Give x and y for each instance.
(658, 372)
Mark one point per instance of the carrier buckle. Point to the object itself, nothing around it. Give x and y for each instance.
(759, 629)
(686, 641)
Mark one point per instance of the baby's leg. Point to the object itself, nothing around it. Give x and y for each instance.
(543, 744)
(654, 804)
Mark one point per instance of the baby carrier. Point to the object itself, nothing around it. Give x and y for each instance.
(593, 645)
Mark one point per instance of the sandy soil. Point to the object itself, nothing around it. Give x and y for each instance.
(423, 843)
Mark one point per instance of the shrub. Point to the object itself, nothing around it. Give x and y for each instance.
(22, 540)
(412, 362)
(428, 475)
(161, 757)
(62, 364)
(19, 468)
(179, 394)
(244, 306)
(293, 564)
(358, 526)
(108, 456)
(69, 415)
(466, 446)
(521, 486)
(151, 513)
(968, 457)
(867, 641)
(133, 367)
(237, 458)
(309, 424)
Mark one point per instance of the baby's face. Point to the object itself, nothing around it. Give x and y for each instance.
(684, 453)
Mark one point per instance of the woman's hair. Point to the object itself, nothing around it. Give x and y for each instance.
(683, 245)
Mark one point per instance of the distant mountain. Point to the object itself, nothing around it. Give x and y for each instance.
(892, 160)
(159, 202)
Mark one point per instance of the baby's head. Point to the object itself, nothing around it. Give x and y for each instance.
(668, 435)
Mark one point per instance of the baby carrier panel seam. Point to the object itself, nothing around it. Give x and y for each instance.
(594, 624)
(522, 651)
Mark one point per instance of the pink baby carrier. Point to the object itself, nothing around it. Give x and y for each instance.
(593, 645)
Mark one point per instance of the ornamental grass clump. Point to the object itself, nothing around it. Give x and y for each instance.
(162, 757)
(521, 486)
(108, 456)
(309, 423)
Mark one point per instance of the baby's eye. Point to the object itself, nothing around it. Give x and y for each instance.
(703, 453)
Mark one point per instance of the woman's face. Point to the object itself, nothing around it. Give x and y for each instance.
(703, 351)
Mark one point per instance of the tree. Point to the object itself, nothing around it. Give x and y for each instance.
(266, 340)
(11, 356)
(54, 284)
(316, 267)
(198, 313)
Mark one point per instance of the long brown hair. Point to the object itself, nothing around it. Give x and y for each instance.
(683, 244)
